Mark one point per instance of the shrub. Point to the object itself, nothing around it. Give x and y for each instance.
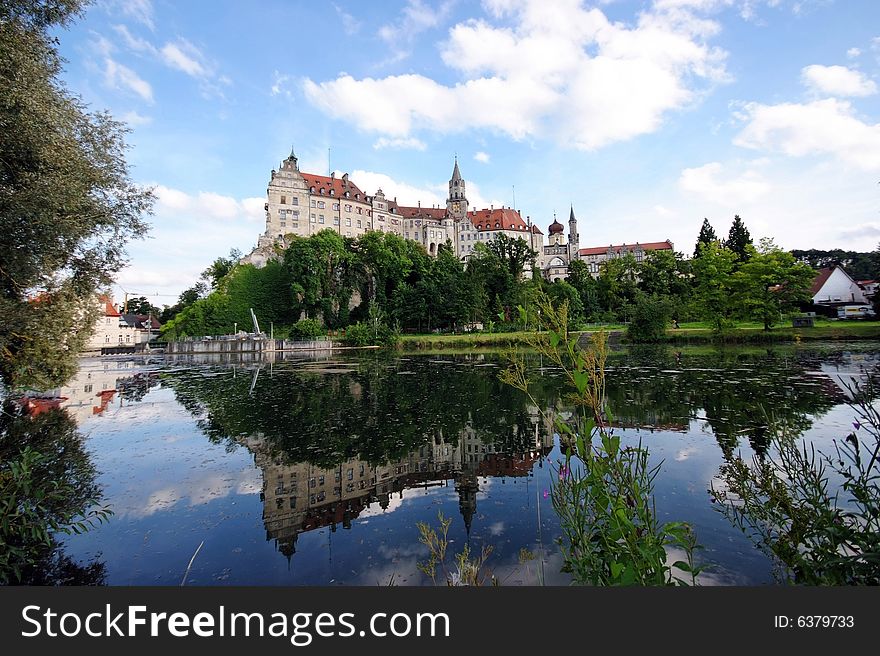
(649, 320)
(306, 329)
(360, 334)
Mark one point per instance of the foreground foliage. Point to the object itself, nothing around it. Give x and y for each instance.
(817, 515)
(604, 493)
(67, 202)
(47, 487)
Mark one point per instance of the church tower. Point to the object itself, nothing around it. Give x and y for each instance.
(457, 204)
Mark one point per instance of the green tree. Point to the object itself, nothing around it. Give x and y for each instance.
(322, 277)
(65, 194)
(772, 282)
(739, 239)
(513, 252)
(560, 292)
(618, 285)
(713, 285)
(587, 287)
(220, 268)
(707, 236)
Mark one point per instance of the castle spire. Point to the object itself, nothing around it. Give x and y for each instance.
(456, 174)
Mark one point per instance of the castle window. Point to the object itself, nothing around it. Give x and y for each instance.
(348, 222)
(294, 213)
(348, 208)
(320, 204)
(359, 223)
(294, 201)
(321, 219)
(283, 224)
(335, 206)
(313, 203)
(284, 200)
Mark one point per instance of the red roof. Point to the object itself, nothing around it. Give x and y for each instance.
(503, 218)
(821, 278)
(649, 246)
(436, 213)
(109, 309)
(338, 185)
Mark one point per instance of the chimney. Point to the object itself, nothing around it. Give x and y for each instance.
(345, 177)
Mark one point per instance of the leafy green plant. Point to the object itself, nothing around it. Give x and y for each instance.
(816, 515)
(604, 492)
(306, 329)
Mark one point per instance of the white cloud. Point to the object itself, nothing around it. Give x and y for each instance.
(822, 127)
(185, 57)
(837, 81)
(570, 74)
(852, 53)
(279, 84)
(663, 211)
(410, 143)
(480, 156)
(406, 194)
(134, 119)
(135, 43)
(416, 17)
(140, 11)
(117, 76)
(712, 183)
(209, 205)
(350, 25)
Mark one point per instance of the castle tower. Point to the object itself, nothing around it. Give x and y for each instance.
(457, 204)
(291, 163)
(572, 236)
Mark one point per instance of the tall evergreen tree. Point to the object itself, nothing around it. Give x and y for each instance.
(707, 236)
(738, 238)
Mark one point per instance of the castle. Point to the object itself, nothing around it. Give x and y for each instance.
(302, 204)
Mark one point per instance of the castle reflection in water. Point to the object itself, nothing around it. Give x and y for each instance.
(300, 497)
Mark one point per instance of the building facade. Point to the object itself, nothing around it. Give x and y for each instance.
(301, 203)
(595, 255)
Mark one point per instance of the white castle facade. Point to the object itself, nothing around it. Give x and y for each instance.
(302, 204)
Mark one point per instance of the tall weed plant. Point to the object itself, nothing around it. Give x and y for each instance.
(604, 490)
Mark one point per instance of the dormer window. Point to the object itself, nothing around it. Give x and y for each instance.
(312, 189)
(322, 191)
(332, 192)
(347, 195)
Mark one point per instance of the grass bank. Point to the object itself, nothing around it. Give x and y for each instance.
(755, 334)
(744, 333)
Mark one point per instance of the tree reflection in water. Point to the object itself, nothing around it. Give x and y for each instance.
(47, 487)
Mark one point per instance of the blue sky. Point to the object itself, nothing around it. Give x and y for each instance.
(645, 115)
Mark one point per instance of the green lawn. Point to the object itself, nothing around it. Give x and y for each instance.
(691, 332)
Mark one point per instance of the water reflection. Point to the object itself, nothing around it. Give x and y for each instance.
(372, 444)
(47, 484)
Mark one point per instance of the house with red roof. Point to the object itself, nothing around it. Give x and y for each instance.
(833, 286)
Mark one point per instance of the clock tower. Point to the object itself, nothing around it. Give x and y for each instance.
(456, 204)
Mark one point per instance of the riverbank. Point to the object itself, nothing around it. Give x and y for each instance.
(744, 334)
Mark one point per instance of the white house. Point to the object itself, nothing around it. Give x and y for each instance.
(833, 286)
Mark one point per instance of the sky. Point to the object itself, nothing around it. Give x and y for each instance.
(645, 116)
